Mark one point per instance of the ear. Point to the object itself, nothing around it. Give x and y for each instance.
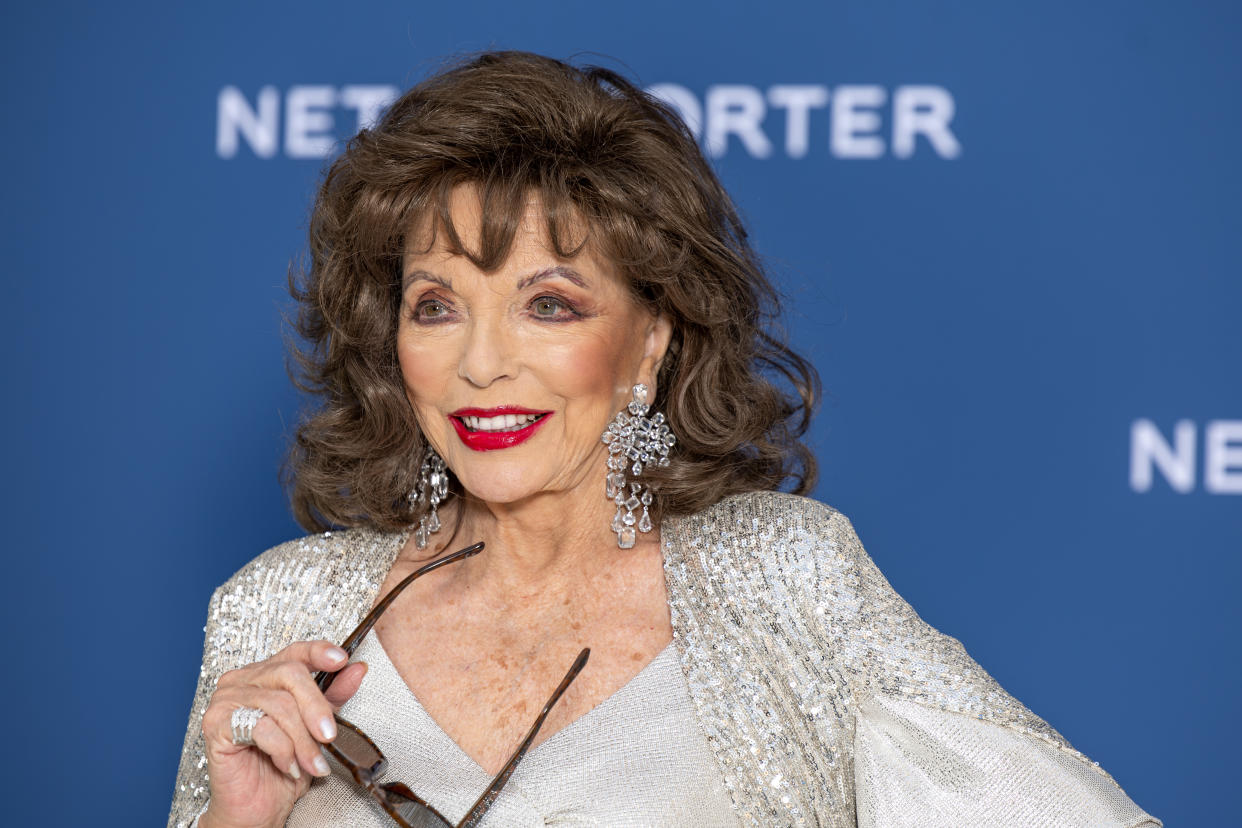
(655, 346)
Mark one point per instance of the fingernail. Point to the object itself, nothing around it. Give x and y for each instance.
(328, 728)
(337, 655)
(293, 770)
(321, 766)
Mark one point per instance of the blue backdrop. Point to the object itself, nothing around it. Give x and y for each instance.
(1009, 236)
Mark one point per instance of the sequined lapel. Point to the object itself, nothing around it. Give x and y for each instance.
(357, 572)
(746, 662)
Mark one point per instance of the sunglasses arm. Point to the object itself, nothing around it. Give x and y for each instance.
(484, 802)
(324, 680)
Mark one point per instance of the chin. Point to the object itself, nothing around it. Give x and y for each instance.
(500, 488)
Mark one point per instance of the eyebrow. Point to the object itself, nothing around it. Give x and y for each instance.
(567, 273)
(564, 272)
(415, 275)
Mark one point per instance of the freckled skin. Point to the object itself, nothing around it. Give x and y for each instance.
(482, 673)
(483, 643)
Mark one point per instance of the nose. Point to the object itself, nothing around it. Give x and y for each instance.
(486, 354)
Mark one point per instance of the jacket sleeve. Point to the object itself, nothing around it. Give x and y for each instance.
(190, 791)
(311, 588)
(936, 740)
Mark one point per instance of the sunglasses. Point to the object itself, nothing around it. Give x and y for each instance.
(355, 751)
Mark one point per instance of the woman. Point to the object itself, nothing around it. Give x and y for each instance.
(522, 257)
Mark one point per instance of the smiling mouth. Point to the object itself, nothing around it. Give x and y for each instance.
(500, 423)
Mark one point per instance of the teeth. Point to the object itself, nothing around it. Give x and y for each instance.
(501, 422)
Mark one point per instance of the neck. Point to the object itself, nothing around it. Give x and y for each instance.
(547, 543)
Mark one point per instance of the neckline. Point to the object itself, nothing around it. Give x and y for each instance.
(670, 555)
(611, 701)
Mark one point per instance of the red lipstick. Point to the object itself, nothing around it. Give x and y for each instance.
(480, 440)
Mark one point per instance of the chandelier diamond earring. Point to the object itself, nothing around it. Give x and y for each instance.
(635, 441)
(430, 491)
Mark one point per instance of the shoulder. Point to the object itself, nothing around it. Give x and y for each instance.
(797, 525)
(766, 539)
(759, 508)
(307, 588)
(321, 556)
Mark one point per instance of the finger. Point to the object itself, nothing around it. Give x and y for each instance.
(270, 738)
(295, 679)
(285, 712)
(217, 724)
(316, 655)
(312, 655)
(347, 683)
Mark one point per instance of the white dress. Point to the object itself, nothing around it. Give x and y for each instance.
(637, 759)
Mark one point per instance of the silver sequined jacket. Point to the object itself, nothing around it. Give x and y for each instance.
(825, 698)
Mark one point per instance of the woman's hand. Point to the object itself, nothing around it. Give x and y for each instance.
(256, 786)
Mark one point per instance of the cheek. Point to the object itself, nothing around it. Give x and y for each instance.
(590, 369)
(425, 371)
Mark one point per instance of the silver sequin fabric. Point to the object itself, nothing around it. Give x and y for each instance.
(825, 699)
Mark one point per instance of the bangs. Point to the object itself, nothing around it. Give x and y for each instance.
(504, 201)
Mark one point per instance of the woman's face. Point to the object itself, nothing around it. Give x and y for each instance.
(515, 374)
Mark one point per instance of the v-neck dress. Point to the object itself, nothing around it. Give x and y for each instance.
(637, 759)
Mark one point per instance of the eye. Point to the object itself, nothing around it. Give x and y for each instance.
(551, 307)
(429, 310)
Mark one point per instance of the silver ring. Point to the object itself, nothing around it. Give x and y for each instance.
(243, 721)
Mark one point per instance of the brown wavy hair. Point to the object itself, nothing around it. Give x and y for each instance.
(601, 154)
